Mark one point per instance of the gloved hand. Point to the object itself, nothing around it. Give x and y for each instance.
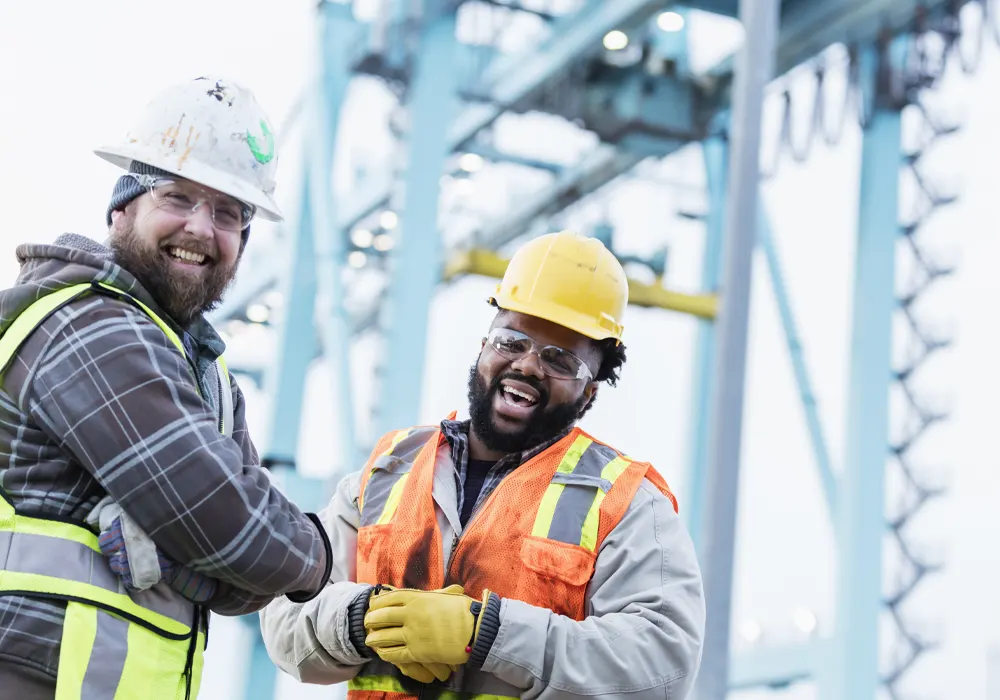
(425, 627)
(154, 567)
(425, 673)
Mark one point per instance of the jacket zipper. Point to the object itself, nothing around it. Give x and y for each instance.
(482, 507)
(468, 526)
(218, 375)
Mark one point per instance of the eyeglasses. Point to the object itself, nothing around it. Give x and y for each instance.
(555, 362)
(183, 197)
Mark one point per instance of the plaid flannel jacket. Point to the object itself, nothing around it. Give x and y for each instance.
(98, 401)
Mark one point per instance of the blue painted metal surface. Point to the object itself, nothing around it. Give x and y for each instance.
(491, 153)
(317, 243)
(828, 480)
(853, 673)
(284, 380)
(754, 69)
(262, 676)
(673, 45)
(778, 666)
(316, 261)
(715, 152)
(417, 257)
(338, 32)
(513, 79)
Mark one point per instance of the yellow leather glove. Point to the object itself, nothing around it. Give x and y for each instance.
(424, 627)
(424, 673)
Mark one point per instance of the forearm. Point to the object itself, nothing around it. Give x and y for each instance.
(311, 641)
(553, 657)
(110, 389)
(645, 629)
(230, 601)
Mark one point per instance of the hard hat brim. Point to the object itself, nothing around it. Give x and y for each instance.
(561, 316)
(122, 156)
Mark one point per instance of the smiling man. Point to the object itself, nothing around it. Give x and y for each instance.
(513, 554)
(132, 499)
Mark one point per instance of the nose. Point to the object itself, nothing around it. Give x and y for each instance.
(528, 365)
(199, 222)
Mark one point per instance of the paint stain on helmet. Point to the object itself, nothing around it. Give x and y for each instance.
(219, 93)
(172, 133)
(262, 146)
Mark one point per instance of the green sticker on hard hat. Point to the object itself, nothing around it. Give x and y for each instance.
(262, 148)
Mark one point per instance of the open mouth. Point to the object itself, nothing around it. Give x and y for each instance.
(515, 401)
(187, 257)
(516, 397)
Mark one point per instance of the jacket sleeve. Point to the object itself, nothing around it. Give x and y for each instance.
(646, 622)
(109, 388)
(229, 600)
(310, 641)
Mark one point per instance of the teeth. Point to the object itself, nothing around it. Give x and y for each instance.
(187, 255)
(515, 392)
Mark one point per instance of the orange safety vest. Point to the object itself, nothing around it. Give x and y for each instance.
(535, 539)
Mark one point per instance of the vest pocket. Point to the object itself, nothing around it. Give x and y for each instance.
(555, 575)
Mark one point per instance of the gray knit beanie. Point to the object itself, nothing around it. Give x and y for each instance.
(127, 189)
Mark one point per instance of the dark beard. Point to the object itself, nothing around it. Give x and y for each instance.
(543, 426)
(182, 300)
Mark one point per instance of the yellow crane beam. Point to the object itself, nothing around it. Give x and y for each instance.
(488, 264)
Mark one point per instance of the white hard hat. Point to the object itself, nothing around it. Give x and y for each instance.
(210, 131)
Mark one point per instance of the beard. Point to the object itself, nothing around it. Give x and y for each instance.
(183, 298)
(545, 423)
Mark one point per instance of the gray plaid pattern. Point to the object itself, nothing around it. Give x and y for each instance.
(98, 401)
(457, 434)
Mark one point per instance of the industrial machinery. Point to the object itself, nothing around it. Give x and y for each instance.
(620, 74)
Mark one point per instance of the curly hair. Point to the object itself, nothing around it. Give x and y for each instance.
(612, 359)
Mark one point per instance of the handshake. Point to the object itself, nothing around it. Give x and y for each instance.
(427, 635)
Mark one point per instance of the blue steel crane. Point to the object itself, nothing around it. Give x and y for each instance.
(645, 108)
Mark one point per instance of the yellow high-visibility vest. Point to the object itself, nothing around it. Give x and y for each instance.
(115, 644)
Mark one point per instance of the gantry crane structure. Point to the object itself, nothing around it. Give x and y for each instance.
(621, 71)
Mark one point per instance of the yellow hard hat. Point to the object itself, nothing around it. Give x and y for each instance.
(568, 279)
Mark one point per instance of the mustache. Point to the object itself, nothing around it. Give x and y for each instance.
(533, 382)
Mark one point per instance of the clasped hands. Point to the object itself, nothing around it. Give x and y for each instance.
(426, 634)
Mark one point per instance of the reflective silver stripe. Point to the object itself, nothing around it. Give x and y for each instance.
(225, 399)
(388, 469)
(409, 447)
(379, 486)
(471, 683)
(74, 562)
(578, 494)
(107, 659)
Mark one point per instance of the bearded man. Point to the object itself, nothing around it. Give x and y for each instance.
(513, 554)
(132, 501)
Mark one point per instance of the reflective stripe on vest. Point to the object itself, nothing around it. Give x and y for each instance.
(141, 644)
(39, 558)
(566, 515)
(534, 539)
(381, 686)
(33, 316)
(572, 515)
(378, 500)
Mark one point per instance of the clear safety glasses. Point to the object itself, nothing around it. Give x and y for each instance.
(183, 198)
(554, 361)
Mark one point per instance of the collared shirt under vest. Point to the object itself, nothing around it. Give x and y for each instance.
(115, 643)
(534, 539)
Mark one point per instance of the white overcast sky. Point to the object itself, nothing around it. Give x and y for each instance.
(72, 74)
